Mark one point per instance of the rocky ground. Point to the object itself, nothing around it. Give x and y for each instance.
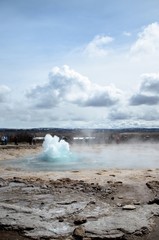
(87, 204)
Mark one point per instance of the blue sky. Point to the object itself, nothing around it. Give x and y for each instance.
(70, 63)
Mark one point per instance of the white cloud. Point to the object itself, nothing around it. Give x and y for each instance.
(148, 93)
(4, 93)
(150, 114)
(147, 43)
(143, 99)
(142, 106)
(130, 114)
(70, 99)
(148, 40)
(120, 63)
(150, 83)
(98, 46)
(120, 114)
(68, 86)
(127, 34)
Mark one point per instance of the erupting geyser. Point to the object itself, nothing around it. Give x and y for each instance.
(55, 149)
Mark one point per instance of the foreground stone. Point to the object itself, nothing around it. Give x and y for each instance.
(53, 209)
(129, 207)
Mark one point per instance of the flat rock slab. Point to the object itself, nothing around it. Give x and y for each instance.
(52, 209)
(129, 207)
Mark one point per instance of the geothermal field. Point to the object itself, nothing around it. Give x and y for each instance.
(80, 189)
(59, 155)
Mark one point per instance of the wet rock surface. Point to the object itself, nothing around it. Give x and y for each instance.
(75, 209)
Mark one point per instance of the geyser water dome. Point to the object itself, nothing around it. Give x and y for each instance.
(55, 149)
